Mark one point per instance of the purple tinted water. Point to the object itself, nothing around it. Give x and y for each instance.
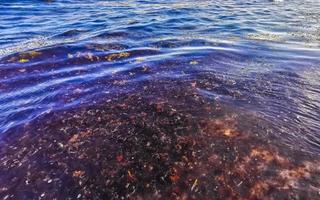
(256, 58)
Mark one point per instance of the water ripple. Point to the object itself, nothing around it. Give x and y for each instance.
(260, 56)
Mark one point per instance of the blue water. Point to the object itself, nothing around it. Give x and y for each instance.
(257, 57)
(268, 51)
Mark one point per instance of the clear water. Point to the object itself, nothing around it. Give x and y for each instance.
(269, 49)
(256, 57)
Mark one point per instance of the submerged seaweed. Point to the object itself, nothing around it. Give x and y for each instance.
(159, 99)
(134, 146)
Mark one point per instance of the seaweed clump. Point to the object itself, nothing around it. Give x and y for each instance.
(161, 143)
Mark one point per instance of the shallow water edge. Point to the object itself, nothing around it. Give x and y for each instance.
(179, 145)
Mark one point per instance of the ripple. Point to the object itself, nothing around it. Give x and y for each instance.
(239, 81)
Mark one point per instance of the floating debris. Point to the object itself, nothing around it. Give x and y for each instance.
(22, 60)
(89, 56)
(194, 62)
(115, 56)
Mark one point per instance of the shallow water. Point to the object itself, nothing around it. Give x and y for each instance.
(96, 77)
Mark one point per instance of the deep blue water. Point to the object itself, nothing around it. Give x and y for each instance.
(256, 56)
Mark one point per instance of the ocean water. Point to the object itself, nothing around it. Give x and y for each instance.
(160, 99)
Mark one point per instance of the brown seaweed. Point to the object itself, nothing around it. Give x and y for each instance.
(135, 146)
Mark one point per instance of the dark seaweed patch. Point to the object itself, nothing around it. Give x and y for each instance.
(135, 146)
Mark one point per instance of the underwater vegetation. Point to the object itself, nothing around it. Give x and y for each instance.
(159, 99)
(134, 146)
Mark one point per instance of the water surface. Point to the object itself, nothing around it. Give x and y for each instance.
(166, 99)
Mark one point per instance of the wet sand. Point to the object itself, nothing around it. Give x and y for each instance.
(165, 141)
